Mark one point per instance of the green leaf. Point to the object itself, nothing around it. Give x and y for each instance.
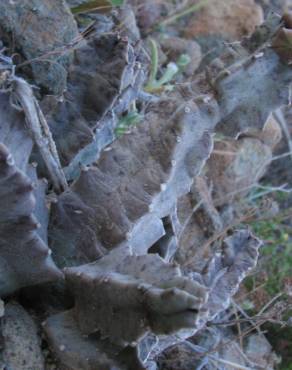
(117, 2)
(168, 75)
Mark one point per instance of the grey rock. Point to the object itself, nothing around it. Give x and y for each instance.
(242, 163)
(39, 28)
(74, 350)
(21, 350)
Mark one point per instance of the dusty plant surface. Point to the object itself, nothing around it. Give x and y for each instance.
(145, 185)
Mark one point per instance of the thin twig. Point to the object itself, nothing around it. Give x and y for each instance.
(270, 303)
(225, 362)
(244, 314)
(194, 210)
(62, 50)
(238, 327)
(268, 190)
(219, 200)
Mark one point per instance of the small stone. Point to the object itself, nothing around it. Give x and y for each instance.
(20, 338)
(231, 19)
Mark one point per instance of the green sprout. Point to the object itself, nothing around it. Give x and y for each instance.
(127, 122)
(183, 61)
(156, 85)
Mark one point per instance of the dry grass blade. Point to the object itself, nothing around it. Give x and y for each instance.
(96, 5)
(191, 9)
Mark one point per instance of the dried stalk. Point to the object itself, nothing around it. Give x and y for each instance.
(40, 131)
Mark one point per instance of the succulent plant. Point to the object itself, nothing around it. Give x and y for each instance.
(147, 255)
(25, 258)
